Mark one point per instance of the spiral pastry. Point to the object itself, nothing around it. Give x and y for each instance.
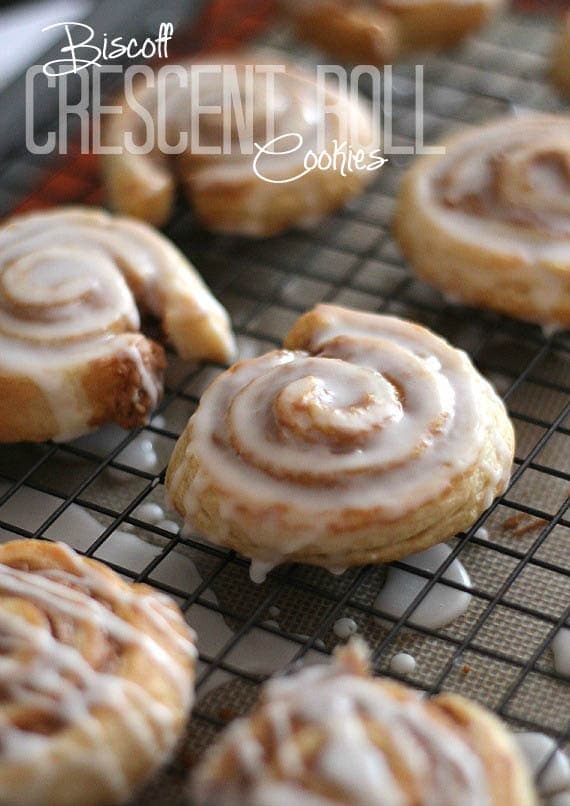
(229, 190)
(368, 439)
(379, 31)
(332, 735)
(96, 676)
(560, 62)
(488, 221)
(71, 354)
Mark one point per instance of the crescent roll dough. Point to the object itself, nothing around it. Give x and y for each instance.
(367, 439)
(488, 221)
(332, 735)
(228, 190)
(97, 678)
(71, 354)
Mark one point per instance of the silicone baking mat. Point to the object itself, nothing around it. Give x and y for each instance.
(89, 492)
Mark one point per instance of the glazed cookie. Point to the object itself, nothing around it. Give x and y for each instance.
(71, 353)
(96, 675)
(335, 736)
(229, 190)
(488, 221)
(367, 439)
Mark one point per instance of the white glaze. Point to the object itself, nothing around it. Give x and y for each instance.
(169, 526)
(67, 298)
(150, 512)
(64, 684)
(339, 705)
(402, 663)
(441, 606)
(259, 569)
(275, 469)
(258, 652)
(561, 650)
(343, 628)
(537, 748)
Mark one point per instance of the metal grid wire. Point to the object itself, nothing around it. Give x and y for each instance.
(499, 651)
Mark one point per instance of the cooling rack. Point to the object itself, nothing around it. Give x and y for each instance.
(90, 492)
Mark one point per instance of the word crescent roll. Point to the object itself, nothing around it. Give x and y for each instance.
(71, 353)
(488, 220)
(97, 678)
(367, 439)
(332, 735)
(249, 141)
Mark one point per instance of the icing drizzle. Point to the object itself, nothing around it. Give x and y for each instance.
(319, 747)
(66, 651)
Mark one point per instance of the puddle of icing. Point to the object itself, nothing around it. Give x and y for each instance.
(536, 748)
(258, 652)
(402, 663)
(140, 453)
(258, 570)
(169, 526)
(441, 606)
(29, 508)
(344, 628)
(561, 650)
(149, 512)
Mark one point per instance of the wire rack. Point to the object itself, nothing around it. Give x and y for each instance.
(89, 492)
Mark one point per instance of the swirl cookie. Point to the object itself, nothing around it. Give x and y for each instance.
(488, 221)
(96, 678)
(367, 439)
(379, 31)
(228, 190)
(71, 354)
(335, 736)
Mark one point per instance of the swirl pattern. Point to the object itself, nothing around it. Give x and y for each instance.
(365, 421)
(95, 674)
(70, 351)
(217, 169)
(334, 735)
(489, 221)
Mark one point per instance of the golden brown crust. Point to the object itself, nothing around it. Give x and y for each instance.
(226, 208)
(434, 24)
(517, 275)
(108, 389)
(292, 730)
(116, 634)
